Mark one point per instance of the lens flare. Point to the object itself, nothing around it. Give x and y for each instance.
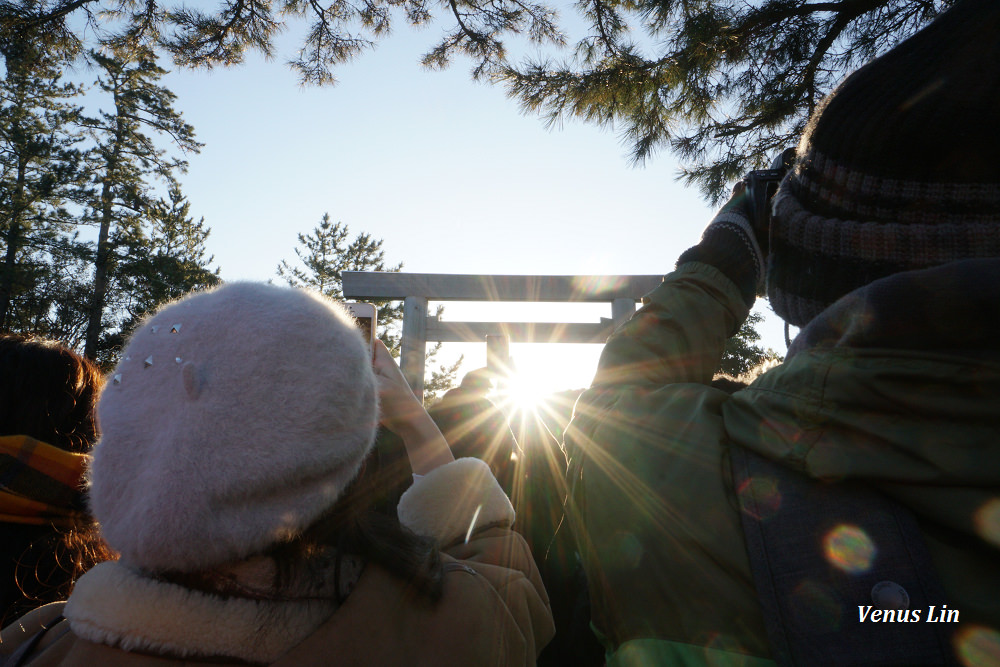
(760, 497)
(987, 520)
(815, 605)
(626, 550)
(598, 284)
(978, 646)
(849, 548)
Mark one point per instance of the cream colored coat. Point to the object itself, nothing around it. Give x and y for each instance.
(494, 610)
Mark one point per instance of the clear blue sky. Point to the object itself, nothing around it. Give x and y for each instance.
(448, 172)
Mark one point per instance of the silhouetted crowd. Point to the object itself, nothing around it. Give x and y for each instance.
(254, 485)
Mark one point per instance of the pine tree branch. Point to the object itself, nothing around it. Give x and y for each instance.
(599, 15)
(768, 16)
(807, 86)
(220, 39)
(44, 18)
(179, 136)
(471, 34)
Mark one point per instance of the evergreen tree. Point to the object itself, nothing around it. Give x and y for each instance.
(40, 175)
(178, 256)
(55, 306)
(724, 84)
(440, 378)
(325, 254)
(166, 263)
(126, 162)
(743, 353)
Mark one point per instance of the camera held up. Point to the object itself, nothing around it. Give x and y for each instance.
(761, 185)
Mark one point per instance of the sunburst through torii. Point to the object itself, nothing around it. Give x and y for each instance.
(417, 289)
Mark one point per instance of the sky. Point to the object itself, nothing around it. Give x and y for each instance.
(446, 171)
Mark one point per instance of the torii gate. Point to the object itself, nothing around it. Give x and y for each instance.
(416, 289)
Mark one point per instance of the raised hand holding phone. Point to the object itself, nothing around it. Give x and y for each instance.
(403, 414)
(365, 317)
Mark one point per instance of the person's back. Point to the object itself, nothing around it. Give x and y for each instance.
(47, 429)
(474, 426)
(719, 528)
(235, 477)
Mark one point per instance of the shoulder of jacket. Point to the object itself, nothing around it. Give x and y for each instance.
(28, 625)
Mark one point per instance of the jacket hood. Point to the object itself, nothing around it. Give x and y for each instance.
(896, 384)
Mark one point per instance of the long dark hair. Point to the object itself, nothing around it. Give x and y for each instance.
(363, 523)
(47, 392)
(41, 564)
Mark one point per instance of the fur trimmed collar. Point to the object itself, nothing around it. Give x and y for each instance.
(116, 605)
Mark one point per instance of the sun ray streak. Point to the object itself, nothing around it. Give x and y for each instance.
(472, 523)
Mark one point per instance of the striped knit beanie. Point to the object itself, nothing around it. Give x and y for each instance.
(898, 169)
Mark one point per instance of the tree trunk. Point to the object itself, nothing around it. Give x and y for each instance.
(7, 284)
(101, 262)
(103, 259)
(13, 245)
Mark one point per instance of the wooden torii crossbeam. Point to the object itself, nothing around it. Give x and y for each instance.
(417, 289)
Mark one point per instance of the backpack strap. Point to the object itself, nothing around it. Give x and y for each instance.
(824, 557)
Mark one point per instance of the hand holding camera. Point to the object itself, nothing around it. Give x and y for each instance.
(759, 189)
(736, 241)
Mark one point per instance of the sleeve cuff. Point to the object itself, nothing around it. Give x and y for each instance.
(454, 501)
(730, 246)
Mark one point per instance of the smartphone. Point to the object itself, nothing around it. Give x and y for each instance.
(364, 315)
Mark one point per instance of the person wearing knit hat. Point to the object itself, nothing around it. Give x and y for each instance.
(859, 481)
(896, 171)
(234, 479)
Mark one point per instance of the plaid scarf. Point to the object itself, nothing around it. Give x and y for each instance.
(40, 484)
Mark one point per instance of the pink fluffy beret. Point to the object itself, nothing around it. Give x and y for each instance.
(236, 417)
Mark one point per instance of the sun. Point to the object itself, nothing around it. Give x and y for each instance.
(522, 392)
(540, 374)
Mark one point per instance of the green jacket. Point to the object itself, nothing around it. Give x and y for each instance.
(905, 399)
